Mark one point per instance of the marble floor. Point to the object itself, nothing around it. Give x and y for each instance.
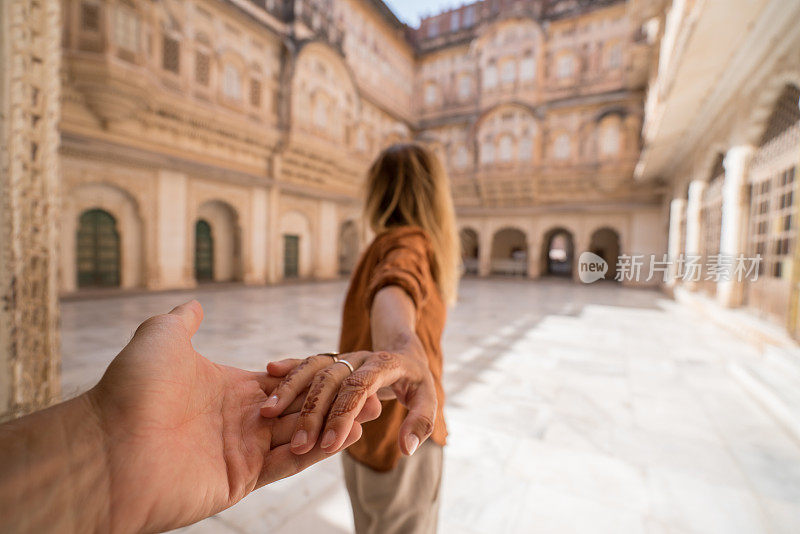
(571, 408)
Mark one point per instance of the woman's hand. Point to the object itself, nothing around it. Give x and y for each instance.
(336, 392)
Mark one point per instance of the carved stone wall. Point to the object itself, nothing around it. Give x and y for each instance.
(29, 107)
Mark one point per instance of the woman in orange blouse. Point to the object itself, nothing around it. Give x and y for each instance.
(390, 346)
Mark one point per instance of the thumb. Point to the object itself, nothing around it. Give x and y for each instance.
(191, 313)
(418, 424)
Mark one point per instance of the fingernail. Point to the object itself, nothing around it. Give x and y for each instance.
(272, 401)
(300, 438)
(412, 442)
(328, 439)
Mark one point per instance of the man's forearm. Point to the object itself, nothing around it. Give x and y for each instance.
(53, 471)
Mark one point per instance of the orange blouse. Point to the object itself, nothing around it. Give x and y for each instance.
(400, 257)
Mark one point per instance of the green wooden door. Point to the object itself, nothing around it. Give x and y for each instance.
(98, 250)
(203, 252)
(291, 256)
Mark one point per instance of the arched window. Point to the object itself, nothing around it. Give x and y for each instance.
(561, 148)
(320, 116)
(464, 87)
(431, 94)
(461, 158)
(232, 82)
(509, 72)
(506, 149)
(614, 56)
(609, 139)
(526, 148)
(126, 28)
(565, 66)
(487, 151)
(490, 75)
(527, 70)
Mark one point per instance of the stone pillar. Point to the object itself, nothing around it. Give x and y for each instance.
(484, 254)
(693, 229)
(172, 230)
(534, 261)
(581, 245)
(677, 207)
(255, 269)
(734, 219)
(326, 241)
(273, 235)
(30, 52)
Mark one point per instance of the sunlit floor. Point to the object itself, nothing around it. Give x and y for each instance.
(571, 409)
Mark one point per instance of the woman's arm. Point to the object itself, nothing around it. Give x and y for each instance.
(398, 365)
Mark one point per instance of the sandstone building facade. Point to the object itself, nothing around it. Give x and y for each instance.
(227, 140)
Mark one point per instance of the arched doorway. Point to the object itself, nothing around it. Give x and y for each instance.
(219, 251)
(559, 252)
(469, 250)
(98, 249)
(605, 243)
(203, 252)
(348, 247)
(510, 252)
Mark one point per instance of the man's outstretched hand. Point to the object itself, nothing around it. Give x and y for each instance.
(165, 439)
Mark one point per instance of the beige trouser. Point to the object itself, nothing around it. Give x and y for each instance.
(404, 500)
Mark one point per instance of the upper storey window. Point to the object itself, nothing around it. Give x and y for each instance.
(609, 140)
(614, 56)
(90, 16)
(561, 148)
(126, 28)
(320, 116)
(469, 16)
(509, 72)
(433, 28)
(455, 21)
(527, 70)
(171, 58)
(232, 82)
(461, 157)
(490, 75)
(526, 147)
(431, 94)
(565, 66)
(506, 149)
(464, 87)
(487, 151)
(202, 68)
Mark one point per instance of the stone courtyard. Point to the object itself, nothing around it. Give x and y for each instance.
(570, 408)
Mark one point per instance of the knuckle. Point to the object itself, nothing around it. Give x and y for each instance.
(164, 321)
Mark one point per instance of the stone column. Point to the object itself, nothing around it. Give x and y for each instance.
(172, 230)
(273, 235)
(484, 253)
(677, 207)
(326, 241)
(534, 261)
(30, 52)
(734, 219)
(693, 222)
(255, 269)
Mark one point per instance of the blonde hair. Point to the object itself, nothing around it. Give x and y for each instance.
(408, 186)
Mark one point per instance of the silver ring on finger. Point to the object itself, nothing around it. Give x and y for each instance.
(348, 364)
(334, 355)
